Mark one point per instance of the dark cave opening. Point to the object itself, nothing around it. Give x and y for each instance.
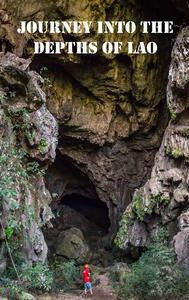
(94, 210)
(77, 210)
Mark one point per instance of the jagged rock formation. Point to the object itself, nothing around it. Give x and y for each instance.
(164, 199)
(25, 124)
(107, 106)
(110, 109)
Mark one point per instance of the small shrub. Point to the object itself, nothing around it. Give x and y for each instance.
(38, 277)
(141, 209)
(156, 275)
(65, 274)
(10, 288)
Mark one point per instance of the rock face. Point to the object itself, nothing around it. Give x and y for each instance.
(111, 115)
(181, 246)
(164, 198)
(107, 107)
(25, 199)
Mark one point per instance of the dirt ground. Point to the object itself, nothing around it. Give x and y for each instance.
(102, 292)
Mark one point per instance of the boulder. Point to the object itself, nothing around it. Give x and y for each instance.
(72, 245)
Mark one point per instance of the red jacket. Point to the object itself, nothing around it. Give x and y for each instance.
(86, 276)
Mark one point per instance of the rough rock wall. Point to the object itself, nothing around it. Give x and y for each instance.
(108, 107)
(28, 141)
(164, 199)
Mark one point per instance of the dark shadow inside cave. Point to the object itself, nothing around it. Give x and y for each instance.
(94, 210)
(75, 205)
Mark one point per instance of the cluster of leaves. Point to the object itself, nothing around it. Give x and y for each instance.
(42, 145)
(156, 275)
(24, 127)
(11, 290)
(175, 153)
(34, 278)
(22, 123)
(14, 184)
(59, 276)
(37, 277)
(65, 274)
(125, 223)
(141, 210)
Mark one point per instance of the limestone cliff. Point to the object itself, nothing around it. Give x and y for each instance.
(111, 112)
(107, 107)
(28, 142)
(164, 198)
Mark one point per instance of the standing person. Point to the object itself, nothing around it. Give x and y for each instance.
(87, 280)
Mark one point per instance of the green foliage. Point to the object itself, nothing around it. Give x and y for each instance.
(156, 275)
(22, 123)
(13, 290)
(138, 207)
(15, 169)
(16, 215)
(24, 127)
(34, 168)
(42, 145)
(30, 135)
(38, 277)
(173, 114)
(60, 276)
(65, 274)
(12, 171)
(141, 209)
(176, 153)
(12, 177)
(20, 119)
(9, 231)
(124, 225)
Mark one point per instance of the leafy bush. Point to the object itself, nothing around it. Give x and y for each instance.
(38, 277)
(65, 274)
(156, 275)
(12, 290)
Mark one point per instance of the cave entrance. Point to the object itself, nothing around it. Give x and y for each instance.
(77, 209)
(93, 210)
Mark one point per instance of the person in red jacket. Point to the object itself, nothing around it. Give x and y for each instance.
(87, 280)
